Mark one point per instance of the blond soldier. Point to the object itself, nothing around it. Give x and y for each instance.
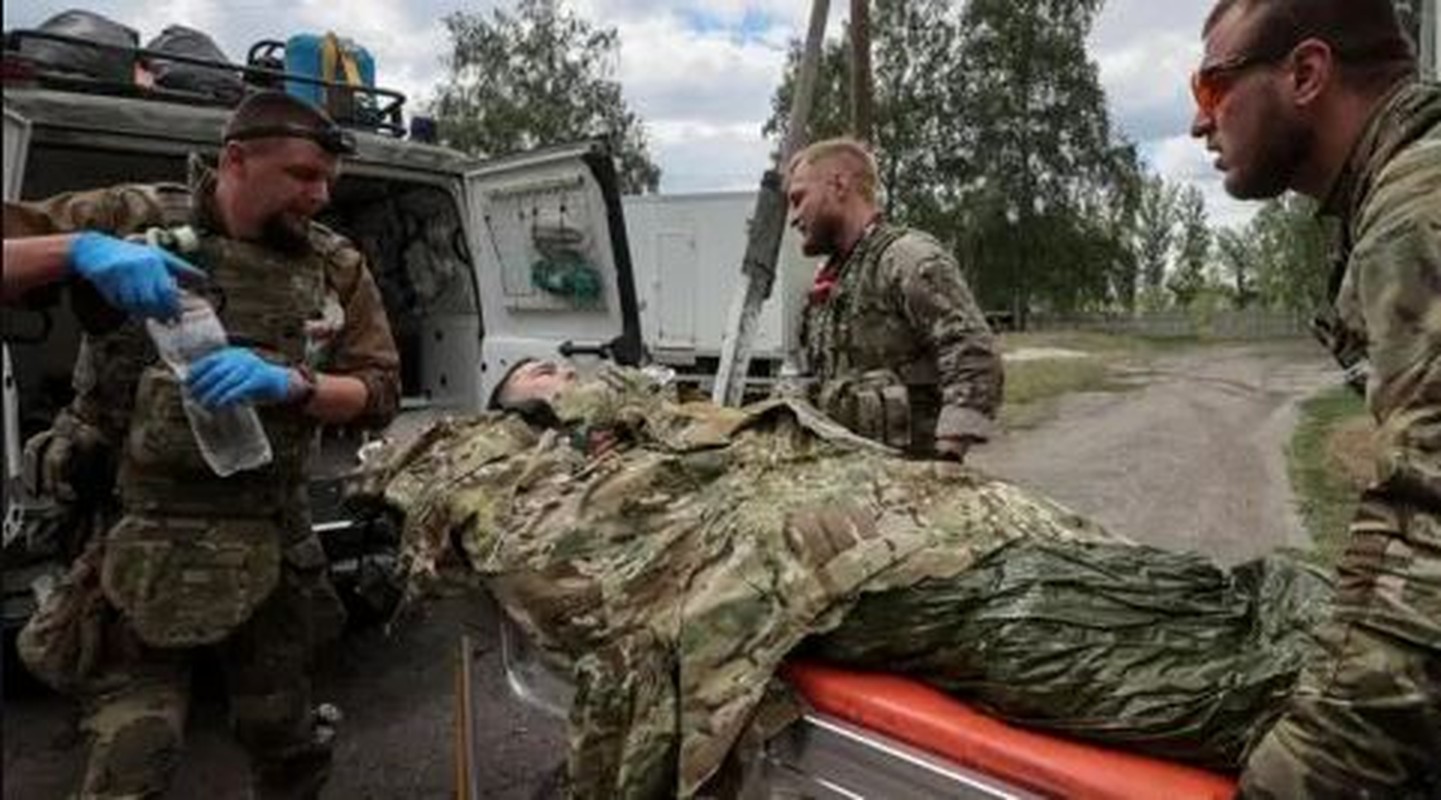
(899, 350)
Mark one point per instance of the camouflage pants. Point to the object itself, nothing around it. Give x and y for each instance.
(1365, 721)
(136, 704)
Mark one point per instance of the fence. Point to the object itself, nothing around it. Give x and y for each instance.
(1230, 324)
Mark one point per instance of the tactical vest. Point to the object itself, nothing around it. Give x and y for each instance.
(264, 299)
(894, 402)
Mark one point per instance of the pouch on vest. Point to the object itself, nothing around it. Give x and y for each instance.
(161, 440)
(183, 582)
(875, 405)
(62, 641)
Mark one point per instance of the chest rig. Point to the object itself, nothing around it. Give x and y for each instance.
(832, 328)
(264, 298)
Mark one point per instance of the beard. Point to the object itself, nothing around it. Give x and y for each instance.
(1281, 146)
(286, 233)
(822, 236)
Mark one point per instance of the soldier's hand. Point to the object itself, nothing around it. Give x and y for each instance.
(237, 375)
(953, 448)
(136, 278)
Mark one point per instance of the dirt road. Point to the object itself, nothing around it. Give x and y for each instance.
(1193, 459)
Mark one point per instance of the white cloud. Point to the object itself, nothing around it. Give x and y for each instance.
(701, 73)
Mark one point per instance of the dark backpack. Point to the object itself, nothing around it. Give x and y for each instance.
(93, 62)
(222, 84)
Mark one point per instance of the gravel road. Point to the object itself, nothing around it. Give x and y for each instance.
(1193, 459)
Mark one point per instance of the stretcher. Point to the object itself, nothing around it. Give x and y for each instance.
(871, 735)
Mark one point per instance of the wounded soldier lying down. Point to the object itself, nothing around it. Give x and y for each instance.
(672, 555)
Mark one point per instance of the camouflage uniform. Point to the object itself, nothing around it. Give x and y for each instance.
(673, 572)
(1366, 721)
(899, 350)
(197, 560)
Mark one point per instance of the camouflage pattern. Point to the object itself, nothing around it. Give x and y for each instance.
(899, 350)
(1366, 721)
(672, 571)
(135, 700)
(196, 559)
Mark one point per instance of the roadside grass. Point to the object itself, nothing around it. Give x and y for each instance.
(1330, 459)
(1034, 385)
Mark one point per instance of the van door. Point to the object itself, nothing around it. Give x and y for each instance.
(552, 261)
(17, 147)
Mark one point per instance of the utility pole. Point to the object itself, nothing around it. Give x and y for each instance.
(768, 224)
(862, 103)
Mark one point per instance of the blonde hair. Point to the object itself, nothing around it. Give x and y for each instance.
(857, 158)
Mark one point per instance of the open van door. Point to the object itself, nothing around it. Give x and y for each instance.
(552, 261)
(17, 147)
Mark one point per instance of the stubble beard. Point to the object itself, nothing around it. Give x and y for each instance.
(1274, 162)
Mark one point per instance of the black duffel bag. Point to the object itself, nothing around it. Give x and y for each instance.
(94, 62)
(222, 84)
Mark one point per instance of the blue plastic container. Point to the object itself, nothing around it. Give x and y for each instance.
(304, 56)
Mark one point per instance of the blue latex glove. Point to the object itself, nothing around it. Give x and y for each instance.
(136, 278)
(236, 375)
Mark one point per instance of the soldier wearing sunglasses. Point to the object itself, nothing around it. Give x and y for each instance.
(1320, 97)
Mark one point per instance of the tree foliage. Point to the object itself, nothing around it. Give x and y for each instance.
(1193, 247)
(1156, 219)
(992, 134)
(539, 76)
(1279, 258)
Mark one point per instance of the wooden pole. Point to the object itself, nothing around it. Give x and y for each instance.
(768, 224)
(862, 103)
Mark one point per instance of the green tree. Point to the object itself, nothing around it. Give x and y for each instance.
(992, 134)
(1155, 230)
(1241, 262)
(1292, 268)
(1193, 247)
(541, 75)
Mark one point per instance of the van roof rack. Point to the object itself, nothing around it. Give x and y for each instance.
(385, 116)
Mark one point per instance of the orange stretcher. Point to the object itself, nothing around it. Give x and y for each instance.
(927, 733)
(878, 736)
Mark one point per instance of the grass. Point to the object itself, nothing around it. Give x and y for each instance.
(1330, 458)
(1034, 386)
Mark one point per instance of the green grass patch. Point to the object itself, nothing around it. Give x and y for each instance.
(1032, 387)
(1326, 487)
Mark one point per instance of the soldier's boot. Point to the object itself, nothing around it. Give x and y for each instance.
(289, 744)
(1364, 723)
(134, 736)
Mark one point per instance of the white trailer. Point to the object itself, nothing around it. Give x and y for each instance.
(686, 252)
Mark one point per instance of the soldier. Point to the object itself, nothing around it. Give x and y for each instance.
(1321, 97)
(672, 555)
(196, 560)
(898, 348)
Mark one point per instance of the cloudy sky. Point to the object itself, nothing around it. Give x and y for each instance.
(701, 72)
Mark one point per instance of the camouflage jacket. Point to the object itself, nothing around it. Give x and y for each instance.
(673, 572)
(111, 358)
(194, 553)
(1387, 311)
(901, 314)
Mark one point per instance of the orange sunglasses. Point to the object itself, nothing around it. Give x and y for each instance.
(1210, 84)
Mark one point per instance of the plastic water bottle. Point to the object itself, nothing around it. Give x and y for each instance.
(231, 438)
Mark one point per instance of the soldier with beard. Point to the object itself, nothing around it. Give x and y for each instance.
(1320, 97)
(197, 560)
(900, 352)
